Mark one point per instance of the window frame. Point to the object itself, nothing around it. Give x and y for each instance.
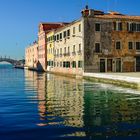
(97, 23)
(96, 46)
(120, 45)
(131, 44)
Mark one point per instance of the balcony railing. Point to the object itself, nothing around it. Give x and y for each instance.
(66, 54)
(79, 52)
(61, 55)
(73, 53)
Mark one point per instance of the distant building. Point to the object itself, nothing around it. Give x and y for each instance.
(31, 55)
(50, 50)
(44, 28)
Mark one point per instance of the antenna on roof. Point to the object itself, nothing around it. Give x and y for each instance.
(86, 4)
(108, 6)
(115, 5)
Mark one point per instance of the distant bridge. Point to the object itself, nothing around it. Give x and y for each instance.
(11, 61)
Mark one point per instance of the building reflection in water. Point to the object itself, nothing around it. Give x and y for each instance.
(60, 99)
(110, 112)
(99, 110)
(64, 100)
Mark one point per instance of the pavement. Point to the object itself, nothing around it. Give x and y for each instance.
(133, 77)
(129, 74)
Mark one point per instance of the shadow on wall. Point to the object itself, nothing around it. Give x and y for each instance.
(39, 67)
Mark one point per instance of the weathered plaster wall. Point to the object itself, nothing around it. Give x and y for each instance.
(91, 37)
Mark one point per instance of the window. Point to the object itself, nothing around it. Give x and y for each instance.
(57, 37)
(51, 38)
(137, 45)
(60, 36)
(130, 45)
(73, 48)
(57, 64)
(80, 49)
(68, 49)
(68, 32)
(74, 64)
(65, 50)
(119, 26)
(57, 51)
(97, 27)
(51, 63)
(60, 51)
(67, 64)
(64, 34)
(60, 64)
(79, 64)
(64, 64)
(138, 27)
(133, 27)
(97, 47)
(73, 30)
(118, 45)
(79, 27)
(114, 23)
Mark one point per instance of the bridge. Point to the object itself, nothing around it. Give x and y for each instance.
(11, 61)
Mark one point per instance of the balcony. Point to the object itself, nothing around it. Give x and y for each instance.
(79, 52)
(66, 54)
(61, 55)
(137, 51)
(56, 55)
(74, 53)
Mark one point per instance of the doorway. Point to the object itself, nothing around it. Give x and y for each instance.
(102, 65)
(138, 64)
(109, 65)
(118, 65)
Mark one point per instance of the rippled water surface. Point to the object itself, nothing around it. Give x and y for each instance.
(35, 106)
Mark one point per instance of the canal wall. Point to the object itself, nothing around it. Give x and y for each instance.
(121, 80)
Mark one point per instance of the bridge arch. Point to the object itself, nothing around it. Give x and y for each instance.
(11, 61)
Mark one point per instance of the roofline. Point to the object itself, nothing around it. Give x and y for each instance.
(58, 23)
(31, 45)
(71, 23)
(124, 17)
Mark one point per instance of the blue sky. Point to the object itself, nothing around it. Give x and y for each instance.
(19, 19)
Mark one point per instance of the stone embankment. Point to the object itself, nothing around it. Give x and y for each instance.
(122, 79)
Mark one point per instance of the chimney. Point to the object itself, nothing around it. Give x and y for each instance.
(91, 12)
(85, 12)
(86, 7)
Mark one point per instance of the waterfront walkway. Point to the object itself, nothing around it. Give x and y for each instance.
(124, 79)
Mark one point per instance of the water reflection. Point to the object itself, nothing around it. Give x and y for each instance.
(64, 99)
(60, 99)
(110, 113)
(95, 110)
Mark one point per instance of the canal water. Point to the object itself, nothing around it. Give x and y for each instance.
(36, 106)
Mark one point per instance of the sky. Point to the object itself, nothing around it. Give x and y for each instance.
(19, 19)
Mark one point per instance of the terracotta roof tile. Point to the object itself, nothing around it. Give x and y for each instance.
(110, 16)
